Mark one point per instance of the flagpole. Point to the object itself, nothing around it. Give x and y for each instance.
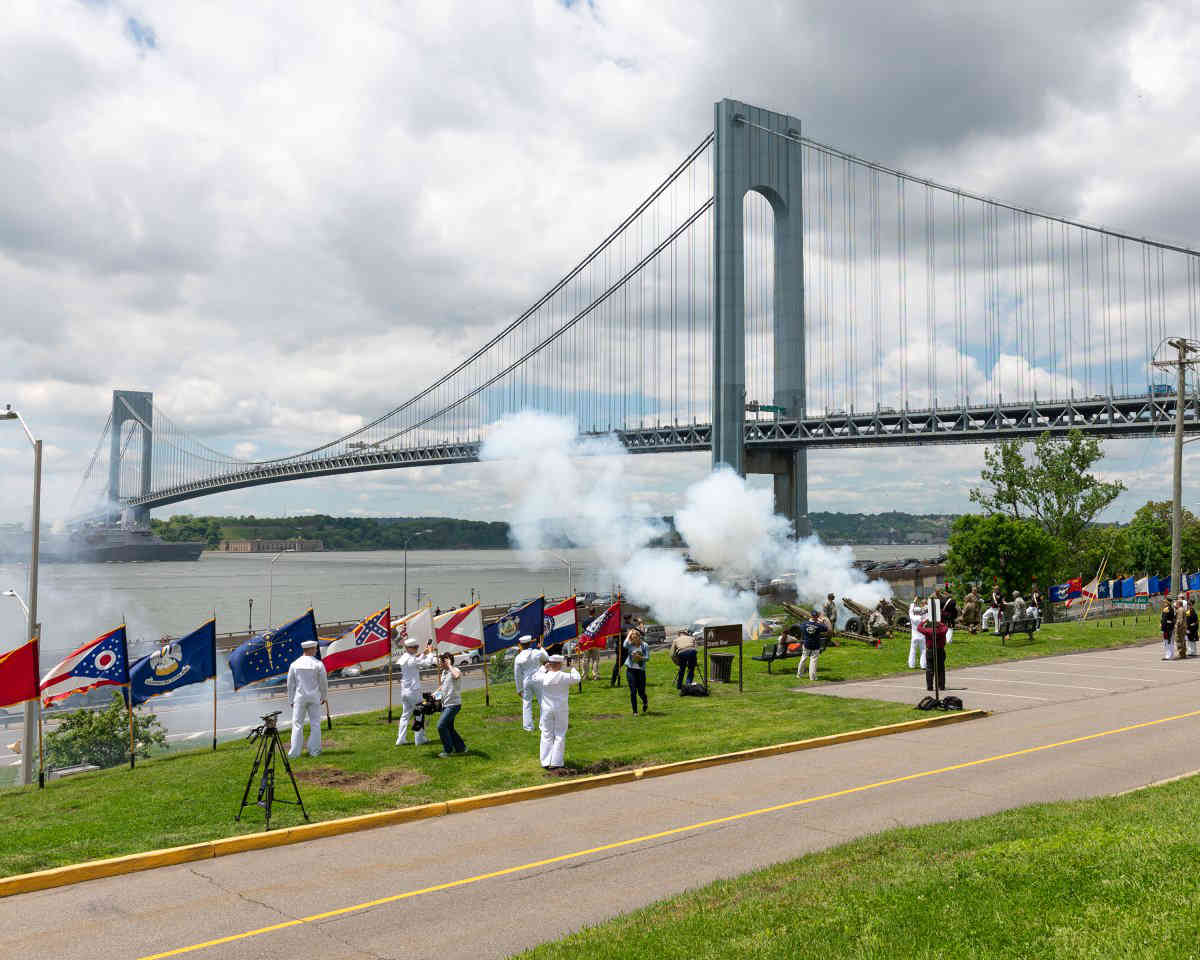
(37, 657)
(577, 651)
(214, 678)
(391, 641)
(128, 689)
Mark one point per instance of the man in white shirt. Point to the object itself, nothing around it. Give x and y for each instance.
(555, 683)
(410, 687)
(525, 666)
(307, 689)
(917, 611)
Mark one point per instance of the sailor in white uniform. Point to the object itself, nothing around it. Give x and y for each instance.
(917, 611)
(555, 684)
(410, 687)
(525, 666)
(307, 689)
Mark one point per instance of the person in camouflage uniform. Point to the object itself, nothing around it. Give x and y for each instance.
(829, 608)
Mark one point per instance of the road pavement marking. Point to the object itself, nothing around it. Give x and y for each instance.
(674, 831)
(1086, 676)
(1039, 683)
(917, 690)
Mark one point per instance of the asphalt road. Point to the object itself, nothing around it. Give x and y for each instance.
(490, 882)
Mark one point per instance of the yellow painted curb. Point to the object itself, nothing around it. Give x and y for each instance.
(134, 862)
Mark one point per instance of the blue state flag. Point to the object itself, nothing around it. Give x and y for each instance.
(1058, 592)
(1128, 588)
(505, 632)
(1102, 591)
(1193, 581)
(271, 652)
(190, 659)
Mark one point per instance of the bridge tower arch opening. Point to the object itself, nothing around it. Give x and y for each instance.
(758, 152)
(135, 408)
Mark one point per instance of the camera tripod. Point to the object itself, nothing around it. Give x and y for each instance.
(269, 746)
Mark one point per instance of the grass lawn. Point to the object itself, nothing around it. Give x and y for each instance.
(189, 796)
(857, 661)
(1112, 877)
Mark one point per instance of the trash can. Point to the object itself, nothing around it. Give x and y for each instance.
(722, 667)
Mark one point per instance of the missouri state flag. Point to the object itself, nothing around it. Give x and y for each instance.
(608, 624)
(102, 662)
(561, 623)
(19, 674)
(369, 640)
(175, 664)
(271, 652)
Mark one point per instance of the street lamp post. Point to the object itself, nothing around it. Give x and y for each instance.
(407, 539)
(32, 707)
(271, 588)
(570, 571)
(250, 622)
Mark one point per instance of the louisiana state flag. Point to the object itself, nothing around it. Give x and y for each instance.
(177, 663)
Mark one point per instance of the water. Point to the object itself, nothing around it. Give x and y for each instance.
(79, 601)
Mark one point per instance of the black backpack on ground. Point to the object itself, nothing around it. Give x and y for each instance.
(693, 690)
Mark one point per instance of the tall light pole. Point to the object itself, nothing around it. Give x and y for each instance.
(419, 533)
(32, 707)
(570, 570)
(1183, 347)
(271, 588)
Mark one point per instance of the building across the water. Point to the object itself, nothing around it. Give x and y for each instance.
(272, 546)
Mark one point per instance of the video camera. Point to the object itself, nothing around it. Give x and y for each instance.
(268, 724)
(428, 706)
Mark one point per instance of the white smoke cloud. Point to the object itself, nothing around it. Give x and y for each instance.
(578, 490)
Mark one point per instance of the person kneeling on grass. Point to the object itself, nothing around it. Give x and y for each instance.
(813, 633)
(555, 683)
(450, 693)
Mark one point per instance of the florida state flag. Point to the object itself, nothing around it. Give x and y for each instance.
(596, 633)
(19, 674)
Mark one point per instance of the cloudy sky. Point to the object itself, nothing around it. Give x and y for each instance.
(284, 223)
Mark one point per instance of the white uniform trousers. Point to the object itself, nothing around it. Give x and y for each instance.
(916, 647)
(528, 699)
(554, 736)
(301, 708)
(408, 704)
(1169, 649)
(811, 657)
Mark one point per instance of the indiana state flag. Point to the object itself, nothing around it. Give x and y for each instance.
(521, 620)
(271, 652)
(177, 663)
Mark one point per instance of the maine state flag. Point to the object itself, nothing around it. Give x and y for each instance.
(177, 663)
(271, 652)
(505, 632)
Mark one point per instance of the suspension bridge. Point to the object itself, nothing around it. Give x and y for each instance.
(772, 295)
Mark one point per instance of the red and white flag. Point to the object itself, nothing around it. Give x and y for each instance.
(369, 640)
(460, 629)
(18, 674)
(101, 662)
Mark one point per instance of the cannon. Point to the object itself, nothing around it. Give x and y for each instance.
(866, 622)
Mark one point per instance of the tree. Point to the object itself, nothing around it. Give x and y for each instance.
(101, 737)
(1148, 539)
(999, 549)
(1055, 488)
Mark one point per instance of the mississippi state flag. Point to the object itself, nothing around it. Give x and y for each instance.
(560, 623)
(101, 663)
(369, 640)
(608, 624)
(459, 630)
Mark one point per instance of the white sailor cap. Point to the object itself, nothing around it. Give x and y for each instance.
(557, 658)
(309, 645)
(524, 639)
(411, 642)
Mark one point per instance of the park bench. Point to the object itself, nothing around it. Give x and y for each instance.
(1006, 626)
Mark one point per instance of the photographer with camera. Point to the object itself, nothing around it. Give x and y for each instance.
(555, 683)
(450, 696)
(307, 689)
(410, 665)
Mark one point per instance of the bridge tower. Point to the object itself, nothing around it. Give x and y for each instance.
(137, 406)
(759, 150)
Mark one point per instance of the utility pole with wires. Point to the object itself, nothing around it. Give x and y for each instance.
(1187, 355)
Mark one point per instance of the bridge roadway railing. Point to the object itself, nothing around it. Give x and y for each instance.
(1126, 416)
